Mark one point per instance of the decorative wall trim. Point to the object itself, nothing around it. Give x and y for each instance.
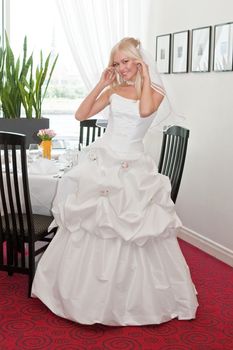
(207, 245)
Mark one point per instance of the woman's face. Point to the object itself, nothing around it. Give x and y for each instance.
(125, 66)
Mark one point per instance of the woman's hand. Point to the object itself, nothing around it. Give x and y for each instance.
(143, 69)
(107, 76)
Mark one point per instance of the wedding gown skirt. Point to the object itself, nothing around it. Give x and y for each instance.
(115, 258)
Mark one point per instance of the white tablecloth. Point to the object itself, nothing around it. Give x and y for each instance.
(42, 190)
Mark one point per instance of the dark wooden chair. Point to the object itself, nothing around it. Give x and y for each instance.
(172, 156)
(89, 131)
(20, 229)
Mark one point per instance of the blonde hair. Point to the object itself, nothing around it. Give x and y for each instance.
(131, 48)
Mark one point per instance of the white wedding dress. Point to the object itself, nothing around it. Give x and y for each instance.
(115, 258)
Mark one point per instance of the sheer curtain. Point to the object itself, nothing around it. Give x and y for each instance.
(92, 27)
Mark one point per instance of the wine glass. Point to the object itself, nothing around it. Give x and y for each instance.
(33, 152)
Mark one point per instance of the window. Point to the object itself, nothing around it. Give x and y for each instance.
(1, 20)
(40, 22)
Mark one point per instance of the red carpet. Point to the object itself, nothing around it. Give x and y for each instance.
(26, 324)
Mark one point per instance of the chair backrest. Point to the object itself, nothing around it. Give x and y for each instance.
(172, 156)
(15, 197)
(89, 132)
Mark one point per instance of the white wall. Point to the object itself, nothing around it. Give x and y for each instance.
(205, 201)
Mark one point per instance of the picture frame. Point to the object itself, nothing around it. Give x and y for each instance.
(180, 52)
(200, 49)
(223, 47)
(163, 53)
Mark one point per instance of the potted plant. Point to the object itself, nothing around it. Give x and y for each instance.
(22, 86)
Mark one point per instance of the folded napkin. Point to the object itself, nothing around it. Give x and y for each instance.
(43, 166)
(63, 161)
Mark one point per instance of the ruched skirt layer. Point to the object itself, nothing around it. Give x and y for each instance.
(115, 259)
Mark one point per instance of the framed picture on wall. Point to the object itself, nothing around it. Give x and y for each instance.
(180, 52)
(200, 49)
(163, 52)
(223, 47)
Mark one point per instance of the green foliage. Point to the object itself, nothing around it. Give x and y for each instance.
(19, 85)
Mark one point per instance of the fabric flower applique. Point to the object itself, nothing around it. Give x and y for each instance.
(92, 155)
(104, 192)
(124, 164)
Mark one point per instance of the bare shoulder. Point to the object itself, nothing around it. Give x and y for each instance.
(157, 97)
(105, 96)
(113, 90)
(157, 91)
(110, 91)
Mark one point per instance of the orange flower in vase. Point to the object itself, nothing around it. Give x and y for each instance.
(46, 136)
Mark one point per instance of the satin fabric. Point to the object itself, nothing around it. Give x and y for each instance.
(115, 259)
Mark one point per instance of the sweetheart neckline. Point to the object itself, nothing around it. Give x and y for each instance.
(126, 98)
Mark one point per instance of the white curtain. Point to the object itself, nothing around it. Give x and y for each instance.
(92, 27)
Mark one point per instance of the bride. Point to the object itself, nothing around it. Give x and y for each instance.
(115, 259)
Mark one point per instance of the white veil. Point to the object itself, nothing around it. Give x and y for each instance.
(166, 116)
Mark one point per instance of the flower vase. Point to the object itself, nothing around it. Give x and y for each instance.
(46, 148)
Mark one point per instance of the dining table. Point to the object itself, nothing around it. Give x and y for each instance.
(42, 192)
(42, 186)
(44, 176)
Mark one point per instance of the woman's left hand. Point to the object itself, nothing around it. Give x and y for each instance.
(143, 68)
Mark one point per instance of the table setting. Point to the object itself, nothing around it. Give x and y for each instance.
(44, 171)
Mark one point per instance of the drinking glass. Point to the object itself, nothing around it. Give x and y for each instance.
(33, 152)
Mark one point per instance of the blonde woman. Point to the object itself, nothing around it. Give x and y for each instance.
(115, 259)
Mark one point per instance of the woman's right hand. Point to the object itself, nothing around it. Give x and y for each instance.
(97, 99)
(107, 76)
